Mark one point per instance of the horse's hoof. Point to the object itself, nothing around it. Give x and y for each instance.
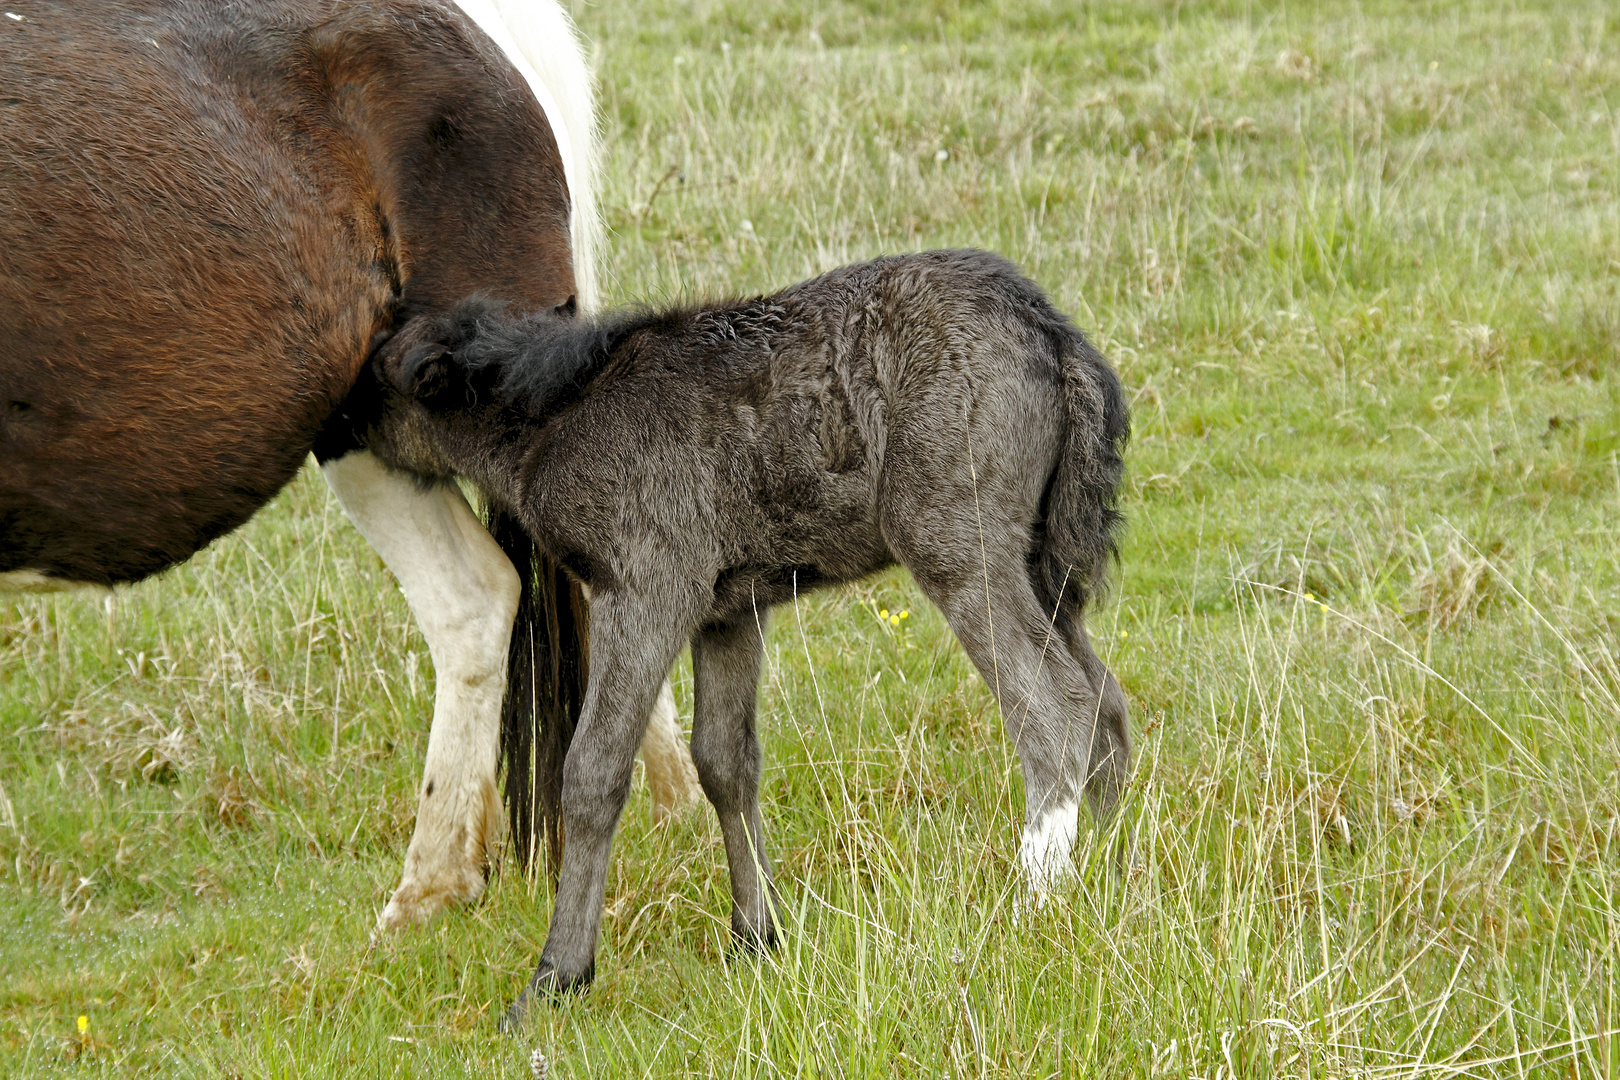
(420, 898)
(548, 985)
(517, 1016)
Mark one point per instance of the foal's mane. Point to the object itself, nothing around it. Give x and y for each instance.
(540, 360)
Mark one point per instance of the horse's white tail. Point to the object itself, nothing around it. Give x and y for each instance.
(537, 720)
(539, 39)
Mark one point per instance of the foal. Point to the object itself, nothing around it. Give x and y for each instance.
(696, 466)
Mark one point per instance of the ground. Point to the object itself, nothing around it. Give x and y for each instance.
(1359, 267)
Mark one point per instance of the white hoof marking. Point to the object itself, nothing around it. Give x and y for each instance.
(1048, 848)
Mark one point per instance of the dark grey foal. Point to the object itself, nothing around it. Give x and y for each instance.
(697, 466)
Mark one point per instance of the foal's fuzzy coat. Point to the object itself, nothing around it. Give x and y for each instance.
(697, 466)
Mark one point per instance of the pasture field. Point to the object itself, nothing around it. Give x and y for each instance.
(1359, 267)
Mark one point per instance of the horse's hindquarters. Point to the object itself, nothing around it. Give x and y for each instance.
(181, 314)
(205, 216)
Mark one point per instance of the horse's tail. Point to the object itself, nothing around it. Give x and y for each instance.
(546, 667)
(545, 684)
(540, 40)
(1083, 522)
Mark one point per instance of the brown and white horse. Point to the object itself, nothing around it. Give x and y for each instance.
(209, 214)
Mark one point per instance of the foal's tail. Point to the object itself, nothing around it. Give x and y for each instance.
(545, 685)
(1083, 520)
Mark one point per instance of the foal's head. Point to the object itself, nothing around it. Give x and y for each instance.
(457, 387)
(458, 362)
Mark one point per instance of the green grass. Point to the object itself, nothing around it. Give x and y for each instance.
(1359, 266)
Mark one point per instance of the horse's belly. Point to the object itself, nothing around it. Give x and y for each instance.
(182, 305)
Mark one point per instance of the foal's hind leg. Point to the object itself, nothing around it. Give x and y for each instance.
(725, 749)
(1047, 704)
(1110, 755)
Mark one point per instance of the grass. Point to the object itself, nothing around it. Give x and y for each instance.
(1356, 263)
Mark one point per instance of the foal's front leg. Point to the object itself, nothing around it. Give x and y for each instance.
(634, 639)
(725, 749)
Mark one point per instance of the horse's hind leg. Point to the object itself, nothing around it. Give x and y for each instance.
(464, 594)
(1047, 704)
(670, 775)
(725, 748)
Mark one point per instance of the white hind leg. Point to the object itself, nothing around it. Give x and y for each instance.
(1048, 705)
(670, 774)
(463, 592)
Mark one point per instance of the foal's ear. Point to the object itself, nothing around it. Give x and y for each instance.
(418, 364)
(567, 309)
(425, 372)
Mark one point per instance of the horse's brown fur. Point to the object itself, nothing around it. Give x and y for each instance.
(207, 212)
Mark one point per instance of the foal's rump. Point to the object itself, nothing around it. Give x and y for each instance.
(1000, 481)
(1005, 426)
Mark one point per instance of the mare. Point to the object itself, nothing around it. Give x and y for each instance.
(696, 466)
(208, 213)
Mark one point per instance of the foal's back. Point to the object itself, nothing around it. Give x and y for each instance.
(788, 440)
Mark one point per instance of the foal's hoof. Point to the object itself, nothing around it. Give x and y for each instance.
(759, 942)
(548, 985)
